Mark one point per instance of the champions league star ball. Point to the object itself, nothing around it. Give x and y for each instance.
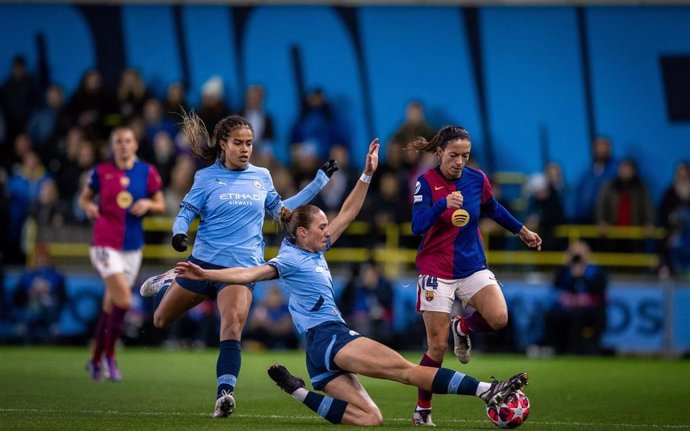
(511, 413)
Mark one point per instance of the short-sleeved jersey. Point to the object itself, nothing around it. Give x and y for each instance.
(452, 246)
(118, 189)
(306, 277)
(231, 205)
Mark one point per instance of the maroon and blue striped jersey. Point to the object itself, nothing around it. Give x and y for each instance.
(451, 246)
(118, 189)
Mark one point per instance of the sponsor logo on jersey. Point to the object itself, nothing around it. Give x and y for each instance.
(221, 182)
(245, 199)
(417, 198)
(353, 333)
(460, 217)
(417, 187)
(439, 187)
(124, 181)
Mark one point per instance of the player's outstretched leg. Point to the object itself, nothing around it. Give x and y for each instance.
(463, 345)
(153, 284)
(502, 389)
(225, 405)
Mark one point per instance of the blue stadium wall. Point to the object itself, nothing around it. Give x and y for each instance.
(530, 83)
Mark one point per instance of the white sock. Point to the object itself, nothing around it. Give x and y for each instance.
(300, 394)
(482, 387)
(458, 328)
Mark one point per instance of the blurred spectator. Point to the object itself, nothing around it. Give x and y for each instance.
(414, 125)
(174, 102)
(332, 196)
(23, 187)
(545, 203)
(131, 95)
(593, 179)
(212, 108)
(305, 161)
(317, 128)
(18, 98)
(48, 123)
(22, 145)
(367, 302)
(197, 328)
(39, 300)
(270, 323)
(155, 122)
(181, 179)
(577, 320)
(674, 216)
(48, 210)
(624, 200)
(261, 121)
(386, 205)
(164, 153)
(4, 218)
(90, 105)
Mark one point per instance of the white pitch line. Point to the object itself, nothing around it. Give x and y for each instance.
(313, 417)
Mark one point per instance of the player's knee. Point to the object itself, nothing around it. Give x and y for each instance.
(231, 329)
(499, 320)
(159, 321)
(372, 417)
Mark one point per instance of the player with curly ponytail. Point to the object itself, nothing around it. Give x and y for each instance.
(231, 197)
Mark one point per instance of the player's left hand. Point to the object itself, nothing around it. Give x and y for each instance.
(189, 270)
(140, 207)
(372, 161)
(330, 167)
(530, 238)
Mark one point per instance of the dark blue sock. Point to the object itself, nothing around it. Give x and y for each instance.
(453, 382)
(228, 365)
(331, 409)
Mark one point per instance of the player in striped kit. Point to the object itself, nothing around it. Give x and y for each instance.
(127, 190)
(231, 198)
(335, 353)
(450, 260)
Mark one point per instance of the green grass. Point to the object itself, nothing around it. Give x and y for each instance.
(47, 388)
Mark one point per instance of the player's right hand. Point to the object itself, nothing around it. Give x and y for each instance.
(454, 200)
(179, 242)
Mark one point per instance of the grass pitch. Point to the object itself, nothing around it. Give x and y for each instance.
(48, 389)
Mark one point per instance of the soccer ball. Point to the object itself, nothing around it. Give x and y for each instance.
(511, 413)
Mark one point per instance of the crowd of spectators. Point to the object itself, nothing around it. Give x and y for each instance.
(49, 140)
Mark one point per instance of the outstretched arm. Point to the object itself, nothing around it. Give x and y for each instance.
(355, 200)
(309, 192)
(227, 275)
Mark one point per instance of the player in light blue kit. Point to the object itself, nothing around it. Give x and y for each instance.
(231, 198)
(335, 353)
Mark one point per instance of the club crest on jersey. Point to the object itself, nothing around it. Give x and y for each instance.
(124, 199)
(257, 184)
(429, 295)
(320, 269)
(460, 217)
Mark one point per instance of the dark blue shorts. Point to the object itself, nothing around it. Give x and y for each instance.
(207, 288)
(324, 341)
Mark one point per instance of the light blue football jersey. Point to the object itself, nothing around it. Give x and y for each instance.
(231, 206)
(306, 277)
